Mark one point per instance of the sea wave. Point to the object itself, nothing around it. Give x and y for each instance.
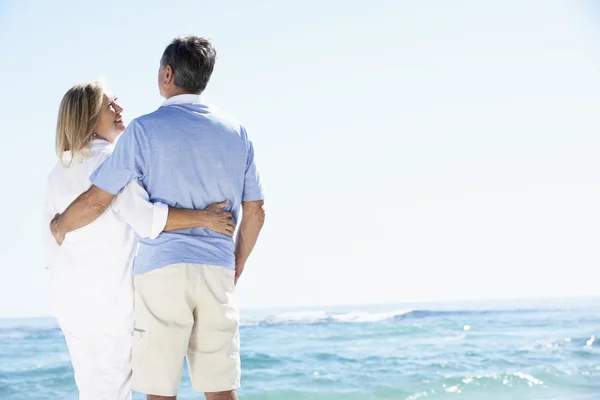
(308, 317)
(328, 317)
(28, 332)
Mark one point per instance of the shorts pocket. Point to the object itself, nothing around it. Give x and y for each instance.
(140, 343)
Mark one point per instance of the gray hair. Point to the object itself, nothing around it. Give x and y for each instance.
(192, 59)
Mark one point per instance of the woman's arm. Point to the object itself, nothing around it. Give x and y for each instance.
(150, 219)
(213, 217)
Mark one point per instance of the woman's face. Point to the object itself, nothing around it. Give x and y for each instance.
(110, 121)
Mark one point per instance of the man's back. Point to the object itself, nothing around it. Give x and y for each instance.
(187, 155)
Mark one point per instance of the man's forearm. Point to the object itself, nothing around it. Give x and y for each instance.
(252, 222)
(180, 218)
(84, 210)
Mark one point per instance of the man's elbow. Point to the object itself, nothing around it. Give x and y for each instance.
(260, 216)
(255, 210)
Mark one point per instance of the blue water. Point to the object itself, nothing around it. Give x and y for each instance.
(510, 350)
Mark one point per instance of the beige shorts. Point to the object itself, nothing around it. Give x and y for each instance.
(185, 310)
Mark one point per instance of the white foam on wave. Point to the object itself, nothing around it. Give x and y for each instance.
(249, 323)
(529, 379)
(368, 317)
(300, 316)
(13, 335)
(315, 317)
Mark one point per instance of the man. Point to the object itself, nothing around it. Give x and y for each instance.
(188, 155)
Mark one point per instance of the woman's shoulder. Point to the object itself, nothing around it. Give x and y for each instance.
(72, 166)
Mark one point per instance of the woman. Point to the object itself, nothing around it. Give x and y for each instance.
(91, 271)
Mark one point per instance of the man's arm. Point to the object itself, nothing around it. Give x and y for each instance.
(83, 211)
(126, 163)
(253, 219)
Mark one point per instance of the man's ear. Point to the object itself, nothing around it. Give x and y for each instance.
(169, 75)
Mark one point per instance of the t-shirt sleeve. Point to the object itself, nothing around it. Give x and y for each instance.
(126, 163)
(253, 190)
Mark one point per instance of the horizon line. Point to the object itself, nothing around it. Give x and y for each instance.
(375, 304)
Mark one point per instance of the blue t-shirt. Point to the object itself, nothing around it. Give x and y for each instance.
(187, 155)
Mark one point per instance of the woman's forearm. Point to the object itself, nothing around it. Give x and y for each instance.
(180, 218)
(213, 217)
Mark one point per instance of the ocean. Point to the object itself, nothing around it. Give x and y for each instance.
(479, 350)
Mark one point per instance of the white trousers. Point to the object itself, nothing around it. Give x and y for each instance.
(102, 365)
(98, 329)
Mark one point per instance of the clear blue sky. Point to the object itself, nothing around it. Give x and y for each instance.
(410, 150)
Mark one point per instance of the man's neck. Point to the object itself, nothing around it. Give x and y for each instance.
(180, 92)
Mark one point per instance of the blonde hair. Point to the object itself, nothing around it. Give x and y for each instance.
(77, 117)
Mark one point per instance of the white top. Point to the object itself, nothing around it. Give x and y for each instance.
(94, 262)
